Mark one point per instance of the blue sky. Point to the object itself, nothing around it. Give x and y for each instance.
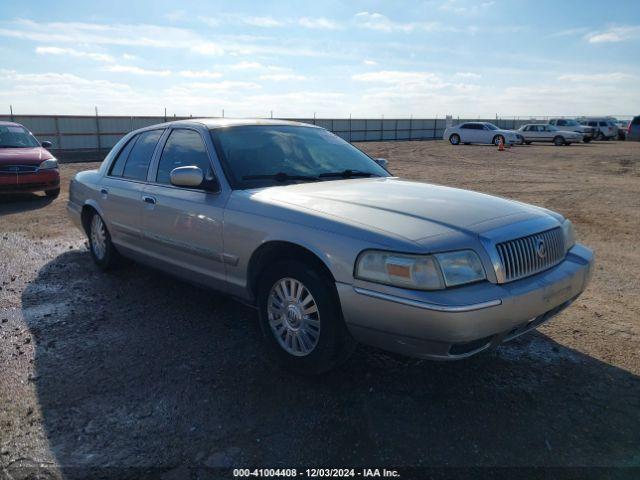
(364, 58)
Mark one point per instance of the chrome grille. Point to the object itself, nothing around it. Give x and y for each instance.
(532, 254)
(18, 168)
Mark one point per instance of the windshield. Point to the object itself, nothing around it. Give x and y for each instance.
(262, 155)
(14, 136)
(571, 123)
(491, 126)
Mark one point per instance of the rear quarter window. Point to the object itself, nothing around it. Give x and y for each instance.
(137, 163)
(117, 166)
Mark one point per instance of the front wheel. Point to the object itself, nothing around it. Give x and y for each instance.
(52, 193)
(558, 141)
(102, 250)
(301, 318)
(586, 139)
(454, 139)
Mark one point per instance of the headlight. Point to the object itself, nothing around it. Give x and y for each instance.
(422, 272)
(460, 267)
(568, 234)
(48, 164)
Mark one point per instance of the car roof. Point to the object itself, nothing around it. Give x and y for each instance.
(10, 124)
(233, 122)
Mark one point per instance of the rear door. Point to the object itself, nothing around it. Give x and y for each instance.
(121, 189)
(182, 227)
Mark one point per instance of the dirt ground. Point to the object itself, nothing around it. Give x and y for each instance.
(133, 372)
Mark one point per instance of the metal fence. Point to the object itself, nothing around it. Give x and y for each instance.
(70, 133)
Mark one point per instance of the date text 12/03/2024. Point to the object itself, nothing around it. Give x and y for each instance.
(317, 473)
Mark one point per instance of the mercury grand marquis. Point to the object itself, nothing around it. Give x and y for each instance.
(328, 246)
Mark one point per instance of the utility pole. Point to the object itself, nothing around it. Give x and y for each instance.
(223, 113)
(271, 113)
(165, 114)
(11, 110)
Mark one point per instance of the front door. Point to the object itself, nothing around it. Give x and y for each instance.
(182, 227)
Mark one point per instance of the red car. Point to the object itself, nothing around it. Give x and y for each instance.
(25, 164)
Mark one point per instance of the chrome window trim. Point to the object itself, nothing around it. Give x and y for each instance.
(428, 306)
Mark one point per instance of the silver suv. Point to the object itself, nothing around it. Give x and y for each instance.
(571, 125)
(326, 243)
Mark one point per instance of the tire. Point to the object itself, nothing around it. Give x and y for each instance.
(599, 136)
(558, 141)
(308, 344)
(586, 140)
(528, 143)
(454, 139)
(52, 193)
(102, 250)
(496, 140)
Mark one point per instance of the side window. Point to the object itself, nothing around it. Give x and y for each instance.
(183, 148)
(562, 123)
(117, 167)
(603, 124)
(635, 121)
(593, 124)
(140, 156)
(465, 126)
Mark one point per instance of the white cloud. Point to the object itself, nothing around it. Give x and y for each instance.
(70, 52)
(128, 56)
(319, 23)
(568, 32)
(140, 35)
(614, 34)
(397, 77)
(468, 75)
(199, 74)
(264, 22)
(277, 77)
(369, 62)
(137, 70)
(377, 21)
(596, 77)
(465, 8)
(246, 65)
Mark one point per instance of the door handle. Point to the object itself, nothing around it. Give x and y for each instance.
(149, 200)
(104, 191)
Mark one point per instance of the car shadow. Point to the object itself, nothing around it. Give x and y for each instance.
(138, 370)
(22, 202)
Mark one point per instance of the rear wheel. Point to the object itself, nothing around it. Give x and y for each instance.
(52, 193)
(586, 139)
(102, 250)
(301, 318)
(528, 143)
(454, 139)
(558, 141)
(600, 136)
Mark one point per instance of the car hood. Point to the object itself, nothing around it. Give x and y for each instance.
(23, 156)
(404, 208)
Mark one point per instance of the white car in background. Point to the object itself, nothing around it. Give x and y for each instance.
(480, 132)
(542, 132)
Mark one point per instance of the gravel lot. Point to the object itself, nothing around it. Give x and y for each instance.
(136, 369)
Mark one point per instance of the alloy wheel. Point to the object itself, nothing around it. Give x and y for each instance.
(293, 316)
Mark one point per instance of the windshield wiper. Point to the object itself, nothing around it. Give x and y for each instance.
(280, 177)
(348, 174)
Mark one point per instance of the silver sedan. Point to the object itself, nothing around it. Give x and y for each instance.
(326, 243)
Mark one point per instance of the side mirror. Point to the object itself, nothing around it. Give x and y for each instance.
(186, 176)
(383, 162)
(45, 144)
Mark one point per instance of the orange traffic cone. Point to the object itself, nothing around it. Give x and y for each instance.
(501, 146)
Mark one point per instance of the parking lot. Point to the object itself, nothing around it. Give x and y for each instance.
(137, 369)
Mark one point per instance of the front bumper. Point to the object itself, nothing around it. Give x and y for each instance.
(462, 321)
(29, 182)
